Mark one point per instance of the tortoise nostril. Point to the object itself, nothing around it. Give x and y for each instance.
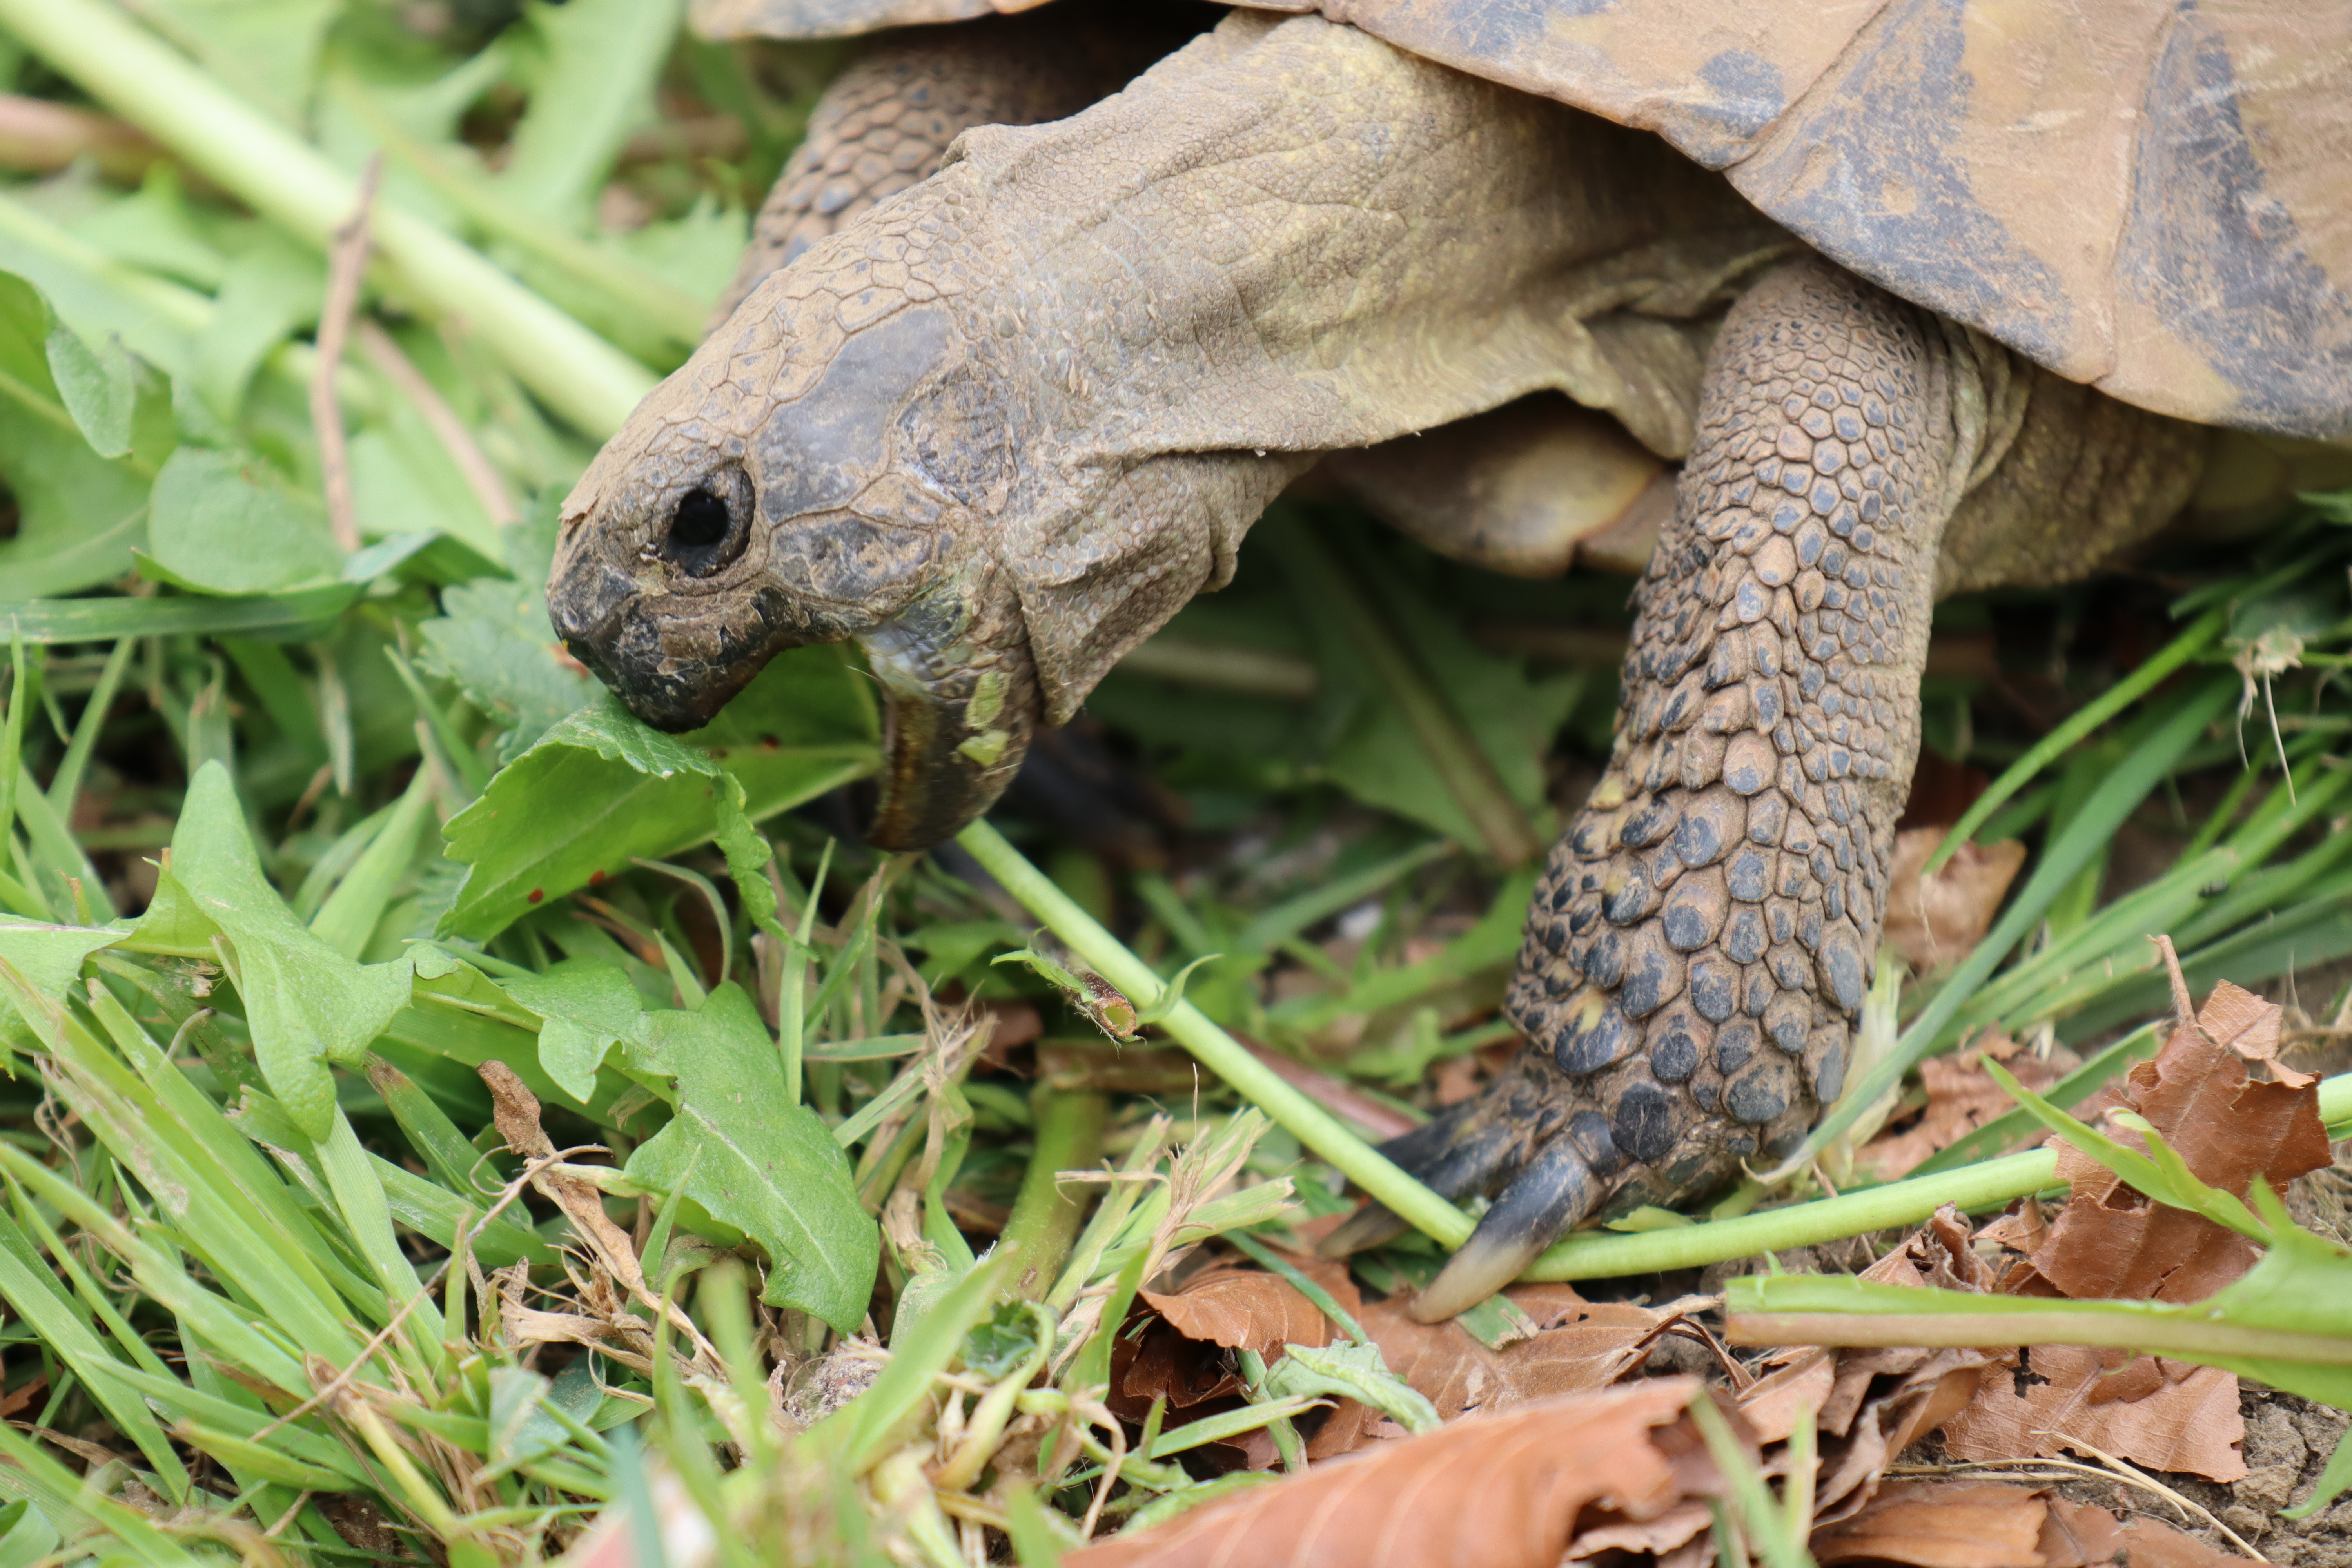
(700, 520)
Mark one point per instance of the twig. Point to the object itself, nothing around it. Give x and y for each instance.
(346, 269)
(480, 474)
(2026, 1470)
(2189, 1508)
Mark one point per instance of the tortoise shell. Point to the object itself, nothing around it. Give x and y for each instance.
(2151, 197)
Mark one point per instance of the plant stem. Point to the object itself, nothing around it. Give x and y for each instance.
(1601, 1257)
(1045, 1218)
(2150, 1332)
(577, 374)
(1594, 1256)
(1217, 1051)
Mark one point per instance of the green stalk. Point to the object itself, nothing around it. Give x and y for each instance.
(1595, 1256)
(1044, 1220)
(577, 374)
(1600, 1256)
(2055, 744)
(1217, 1051)
(2055, 1325)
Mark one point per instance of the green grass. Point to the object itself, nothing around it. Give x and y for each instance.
(294, 841)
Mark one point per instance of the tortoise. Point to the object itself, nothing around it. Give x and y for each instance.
(1850, 308)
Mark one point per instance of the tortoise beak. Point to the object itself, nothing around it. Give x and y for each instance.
(960, 708)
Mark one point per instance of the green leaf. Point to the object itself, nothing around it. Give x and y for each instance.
(593, 87)
(305, 1003)
(600, 789)
(765, 1166)
(100, 387)
(493, 641)
(49, 957)
(748, 855)
(216, 529)
(267, 291)
(1349, 1371)
(267, 49)
(290, 618)
(77, 514)
(587, 1007)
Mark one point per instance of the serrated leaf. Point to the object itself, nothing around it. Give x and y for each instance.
(600, 787)
(493, 640)
(587, 1007)
(305, 1003)
(769, 1168)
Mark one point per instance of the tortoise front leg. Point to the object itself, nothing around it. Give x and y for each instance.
(1704, 935)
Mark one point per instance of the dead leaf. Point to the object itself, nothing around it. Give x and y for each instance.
(1940, 1524)
(1579, 1345)
(1686, 1522)
(1502, 1490)
(2158, 1414)
(1989, 1524)
(2243, 1022)
(1244, 1307)
(1772, 1403)
(1932, 920)
(1961, 1098)
(2228, 1127)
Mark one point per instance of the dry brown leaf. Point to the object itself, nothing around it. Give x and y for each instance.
(2243, 1022)
(1502, 1490)
(1185, 1355)
(1579, 1345)
(1244, 1307)
(1989, 1524)
(1772, 1403)
(1961, 1098)
(2158, 1414)
(2228, 1127)
(1932, 920)
(1940, 1524)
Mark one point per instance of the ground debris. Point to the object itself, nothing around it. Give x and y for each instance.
(1994, 1524)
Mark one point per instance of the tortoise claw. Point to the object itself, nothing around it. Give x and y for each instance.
(1557, 1188)
(1449, 1155)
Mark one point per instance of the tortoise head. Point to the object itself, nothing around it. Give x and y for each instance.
(781, 488)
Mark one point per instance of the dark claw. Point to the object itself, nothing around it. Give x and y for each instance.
(1559, 1187)
(1448, 1158)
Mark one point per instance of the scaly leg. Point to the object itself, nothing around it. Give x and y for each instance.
(1703, 937)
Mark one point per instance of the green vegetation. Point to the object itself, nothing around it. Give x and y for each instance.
(296, 837)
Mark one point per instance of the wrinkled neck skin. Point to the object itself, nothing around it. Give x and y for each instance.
(1036, 401)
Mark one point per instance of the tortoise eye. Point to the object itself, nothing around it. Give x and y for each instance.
(701, 520)
(707, 529)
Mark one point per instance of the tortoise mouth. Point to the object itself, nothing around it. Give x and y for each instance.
(957, 722)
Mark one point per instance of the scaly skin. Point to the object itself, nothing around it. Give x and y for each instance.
(1001, 426)
(887, 120)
